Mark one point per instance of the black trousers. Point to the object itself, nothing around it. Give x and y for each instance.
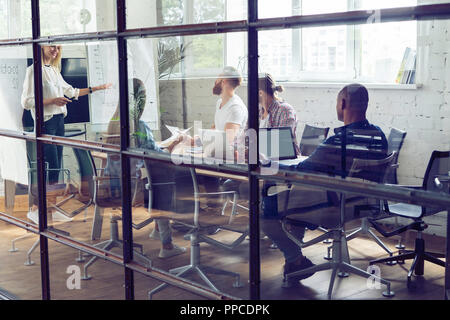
(52, 153)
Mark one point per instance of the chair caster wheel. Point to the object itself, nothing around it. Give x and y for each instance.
(29, 263)
(342, 274)
(410, 284)
(388, 294)
(287, 284)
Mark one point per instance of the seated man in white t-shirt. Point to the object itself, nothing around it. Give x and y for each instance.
(230, 117)
(231, 113)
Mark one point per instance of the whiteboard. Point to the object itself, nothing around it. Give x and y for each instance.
(103, 68)
(13, 156)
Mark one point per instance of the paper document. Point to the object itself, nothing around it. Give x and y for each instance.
(176, 132)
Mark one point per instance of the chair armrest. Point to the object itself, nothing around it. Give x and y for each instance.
(215, 193)
(274, 190)
(104, 178)
(147, 185)
(144, 223)
(405, 186)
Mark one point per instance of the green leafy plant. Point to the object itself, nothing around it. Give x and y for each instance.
(169, 56)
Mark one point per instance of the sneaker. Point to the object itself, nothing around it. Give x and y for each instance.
(154, 235)
(58, 216)
(33, 215)
(166, 253)
(292, 267)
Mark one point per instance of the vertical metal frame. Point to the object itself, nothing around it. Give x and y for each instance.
(447, 257)
(253, 124)
(39, 123)
(127, 232)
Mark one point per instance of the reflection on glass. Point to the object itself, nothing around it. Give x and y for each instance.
(68, 17)
(385, 47)
(150, 13)
(18, 279)
(67, 280)
(170, 91)
(13, 69)
(307, 7)
(80, 91)
(15, 19)
(186, 207)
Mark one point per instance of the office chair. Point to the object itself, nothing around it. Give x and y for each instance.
(199, 224)
(104, 199)
(53, 190)
(312, 136)
(86, 169)
(333, 215)
(439, 164)
(395, 143)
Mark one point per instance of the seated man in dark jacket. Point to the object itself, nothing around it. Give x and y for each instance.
(356, 139)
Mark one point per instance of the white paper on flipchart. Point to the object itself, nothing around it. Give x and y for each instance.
(12, 75)
(103, 68)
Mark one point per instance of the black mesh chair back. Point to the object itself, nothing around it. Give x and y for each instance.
(395, 143)
(372, 170)
(438, 165)
(311, 138)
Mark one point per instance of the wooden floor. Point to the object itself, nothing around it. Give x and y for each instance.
(107, 278)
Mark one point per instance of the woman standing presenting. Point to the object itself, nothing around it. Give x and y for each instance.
(55, 91)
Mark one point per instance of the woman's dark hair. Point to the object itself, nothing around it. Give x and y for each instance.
(267, 84)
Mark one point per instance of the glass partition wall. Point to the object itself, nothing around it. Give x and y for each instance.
(125, 176)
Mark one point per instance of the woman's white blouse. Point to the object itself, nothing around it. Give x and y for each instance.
(53, 86)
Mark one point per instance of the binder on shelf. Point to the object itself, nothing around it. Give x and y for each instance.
(406, 73)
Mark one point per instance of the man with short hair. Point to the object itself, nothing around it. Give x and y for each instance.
(230, 117)
(231, 112)
(351, 109)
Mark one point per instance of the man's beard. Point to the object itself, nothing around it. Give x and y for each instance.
(217, 90)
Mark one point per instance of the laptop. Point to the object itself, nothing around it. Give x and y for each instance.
(213, 142)
(278, 144)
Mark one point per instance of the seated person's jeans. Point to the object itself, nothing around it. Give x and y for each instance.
(271, 226)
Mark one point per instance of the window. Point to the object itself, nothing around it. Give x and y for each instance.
(3, 19)
(203, 54)
(337, 53)
(328, 54)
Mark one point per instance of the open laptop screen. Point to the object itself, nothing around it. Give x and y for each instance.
(277, 143)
